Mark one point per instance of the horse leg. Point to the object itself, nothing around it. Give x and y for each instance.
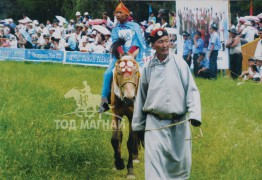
(77, 112)
(136, 147)
(116, 141)
(135, 140)
(130, 147)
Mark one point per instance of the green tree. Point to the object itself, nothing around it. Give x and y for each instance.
(243, 7)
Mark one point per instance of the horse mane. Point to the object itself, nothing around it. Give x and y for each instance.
(115, 45)
(117, 90)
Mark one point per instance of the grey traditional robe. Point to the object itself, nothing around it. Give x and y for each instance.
(164, 88)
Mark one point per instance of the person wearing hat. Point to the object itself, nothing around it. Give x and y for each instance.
(251, 62)
(84, 47)
(187, 48)
(30, 29)
(79, 34)
(213, 48)
(130, 31)
(85, 18)
(202, 66)
(235, 52)
(71, 24)
(258, 51)
(79, 18)
(259, 64)
(197, 48)
(107, 42)
(166, 93)
(13, 41)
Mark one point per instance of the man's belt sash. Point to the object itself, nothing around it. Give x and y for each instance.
(168, 116)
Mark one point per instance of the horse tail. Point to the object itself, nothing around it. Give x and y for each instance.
(115, 45)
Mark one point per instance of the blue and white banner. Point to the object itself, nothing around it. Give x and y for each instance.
(12, 54)
(39, 55)
(87, 58)
(44, 55)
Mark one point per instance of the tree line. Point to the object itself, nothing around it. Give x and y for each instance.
(47, 9)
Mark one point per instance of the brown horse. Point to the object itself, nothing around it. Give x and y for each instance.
(123, 92)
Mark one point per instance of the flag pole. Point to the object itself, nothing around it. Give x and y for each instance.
(251, 8)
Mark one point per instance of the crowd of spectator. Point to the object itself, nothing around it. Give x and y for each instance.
(76, 34)
(79, 34)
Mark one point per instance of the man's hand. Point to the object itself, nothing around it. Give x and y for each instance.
(195, 122)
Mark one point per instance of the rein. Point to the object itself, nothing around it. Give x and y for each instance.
(200, 135)
(164, 127)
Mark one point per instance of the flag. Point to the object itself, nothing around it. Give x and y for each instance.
(149, 9)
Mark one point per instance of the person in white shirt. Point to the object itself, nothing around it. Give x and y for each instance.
(91, 45)
(99, 48)
(84, 47)
(255, 76)
(258, 51)
(109, 23)
(108, 42)
(240, 25)
(86, 18)
(259, 65)
(249, 32)
(71, 24)
(244, 74)
(13, 41)
(58, 43)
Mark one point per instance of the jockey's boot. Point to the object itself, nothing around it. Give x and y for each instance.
(103, 106)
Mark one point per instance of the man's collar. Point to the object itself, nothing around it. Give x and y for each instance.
(156, 61)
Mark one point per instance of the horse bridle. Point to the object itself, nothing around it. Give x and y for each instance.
(132, 74)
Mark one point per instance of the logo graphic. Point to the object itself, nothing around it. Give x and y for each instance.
(86, 113)
(86, 102)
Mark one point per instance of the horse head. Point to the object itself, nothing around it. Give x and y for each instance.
(126, 75)
(72, 93)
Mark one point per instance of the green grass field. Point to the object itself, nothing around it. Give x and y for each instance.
(31, 146)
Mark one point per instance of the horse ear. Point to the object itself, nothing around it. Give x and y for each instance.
(120, 51)
(133, 51)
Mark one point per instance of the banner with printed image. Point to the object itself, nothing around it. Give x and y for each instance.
(39, 55)
(44, 55)
(84, 58)
(198, 15)
(12, 54)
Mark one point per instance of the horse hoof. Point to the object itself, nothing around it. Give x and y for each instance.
(136, 161)
(131, 176)
(119, 164)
